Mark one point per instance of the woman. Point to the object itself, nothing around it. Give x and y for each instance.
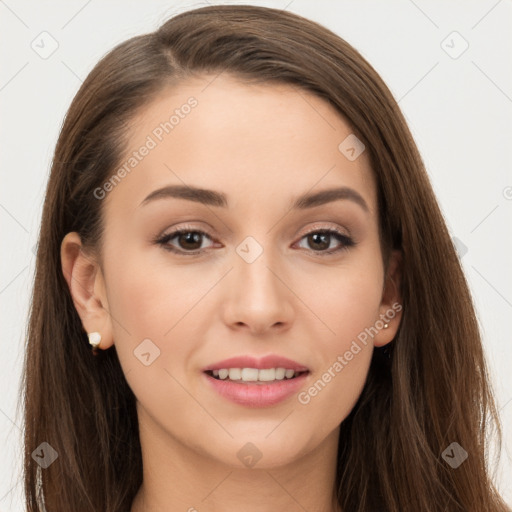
(315, 348)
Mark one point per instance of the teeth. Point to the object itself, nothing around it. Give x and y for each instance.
(280, 373)
(289, 374)
(253, 374)
(235, 374)
(249, 374)
(267, 375)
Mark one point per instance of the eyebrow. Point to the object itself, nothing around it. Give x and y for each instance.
(219, 199)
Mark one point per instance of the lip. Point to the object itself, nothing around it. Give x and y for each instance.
(250, 394)
(270, 361)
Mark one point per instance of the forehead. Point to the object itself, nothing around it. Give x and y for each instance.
(259, 141)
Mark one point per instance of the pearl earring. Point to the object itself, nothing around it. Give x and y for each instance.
(386, 326)
(94, 339)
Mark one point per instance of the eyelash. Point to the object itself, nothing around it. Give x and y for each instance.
(346, 241)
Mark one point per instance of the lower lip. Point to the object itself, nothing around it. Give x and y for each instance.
(257, 395)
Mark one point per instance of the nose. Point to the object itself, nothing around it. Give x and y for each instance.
(257, 296)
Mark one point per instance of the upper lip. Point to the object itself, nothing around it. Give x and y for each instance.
(270, 361)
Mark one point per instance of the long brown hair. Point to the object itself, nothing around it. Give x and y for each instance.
(431, 387)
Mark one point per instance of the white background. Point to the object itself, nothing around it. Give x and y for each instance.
(459, 110)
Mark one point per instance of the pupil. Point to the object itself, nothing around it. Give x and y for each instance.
(315, 238)
(191, 237)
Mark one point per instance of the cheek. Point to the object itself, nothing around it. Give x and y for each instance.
(150, 308)
(333, 392)
(349, 306)
(151, 328)
(150, 298)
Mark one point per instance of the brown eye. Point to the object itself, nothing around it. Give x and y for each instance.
(188, 241)
(319, 241)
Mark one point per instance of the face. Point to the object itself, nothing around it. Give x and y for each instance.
(252, 274)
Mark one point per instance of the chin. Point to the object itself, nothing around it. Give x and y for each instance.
(262, 451)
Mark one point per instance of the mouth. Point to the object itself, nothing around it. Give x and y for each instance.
(254, 375)
(256, 387)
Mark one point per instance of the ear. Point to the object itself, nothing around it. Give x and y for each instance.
(87, 287)
(391, 303)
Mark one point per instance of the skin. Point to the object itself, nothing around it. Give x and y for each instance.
(263, 146)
